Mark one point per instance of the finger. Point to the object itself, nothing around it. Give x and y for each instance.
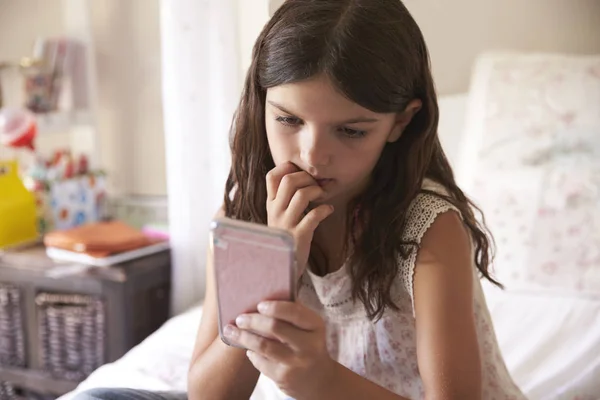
(271, 328)
(271, 349)
(292, 312)
(275, 175)
(311, 221)
(289, 186)
(264, 365)
(300, 202)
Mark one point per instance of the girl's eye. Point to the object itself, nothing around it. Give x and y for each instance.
(353, 133)
(288, 121)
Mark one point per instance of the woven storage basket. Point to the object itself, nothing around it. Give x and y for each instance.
(7, 391)
(72, 334)
(12, 343)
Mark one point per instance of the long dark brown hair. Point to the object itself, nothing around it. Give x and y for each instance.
(375, 54)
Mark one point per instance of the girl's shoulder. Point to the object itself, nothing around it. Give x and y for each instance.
(425, 208)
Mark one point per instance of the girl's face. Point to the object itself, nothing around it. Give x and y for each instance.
(333, 139)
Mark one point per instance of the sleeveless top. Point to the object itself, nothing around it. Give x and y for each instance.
(385, 351)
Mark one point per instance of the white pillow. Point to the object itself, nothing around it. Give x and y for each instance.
(531, 159)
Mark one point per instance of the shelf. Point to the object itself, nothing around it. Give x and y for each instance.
(62, 122)
(36, 381)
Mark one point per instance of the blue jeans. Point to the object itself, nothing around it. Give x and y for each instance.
(128, 394)
(131, 394)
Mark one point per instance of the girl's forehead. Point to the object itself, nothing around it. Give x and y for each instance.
(316, 98)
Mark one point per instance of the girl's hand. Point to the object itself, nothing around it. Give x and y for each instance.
(286, 342)
(289, 193)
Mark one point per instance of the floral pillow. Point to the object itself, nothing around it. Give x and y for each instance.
(531, 160)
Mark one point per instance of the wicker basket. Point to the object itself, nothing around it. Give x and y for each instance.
(72, 334)
(12, 343)
(7, 391)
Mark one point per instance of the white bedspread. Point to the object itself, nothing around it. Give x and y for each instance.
(551, 345)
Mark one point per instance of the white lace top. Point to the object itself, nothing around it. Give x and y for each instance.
(385, 351)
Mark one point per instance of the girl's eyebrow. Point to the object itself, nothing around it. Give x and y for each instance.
(350, 121)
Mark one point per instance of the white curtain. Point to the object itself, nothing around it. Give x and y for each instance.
(200, 71)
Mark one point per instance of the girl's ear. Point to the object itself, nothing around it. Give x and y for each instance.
(403, 119)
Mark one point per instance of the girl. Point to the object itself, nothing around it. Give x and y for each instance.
(335, 140)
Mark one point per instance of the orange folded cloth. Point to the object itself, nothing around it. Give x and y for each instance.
(99, 239)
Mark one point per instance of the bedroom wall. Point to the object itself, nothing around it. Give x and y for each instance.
(456, 31)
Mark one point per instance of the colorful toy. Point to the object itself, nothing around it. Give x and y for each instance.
(17, 208)
(18, 128)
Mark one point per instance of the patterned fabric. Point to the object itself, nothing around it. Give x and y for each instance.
(385, 352)
(536, 172)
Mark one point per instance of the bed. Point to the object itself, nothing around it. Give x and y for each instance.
(549, 333)
(550, 344)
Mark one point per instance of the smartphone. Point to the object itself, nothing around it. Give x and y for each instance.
(252, 263)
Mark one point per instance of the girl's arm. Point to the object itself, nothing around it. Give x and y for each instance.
(217, 371)
(447, 345)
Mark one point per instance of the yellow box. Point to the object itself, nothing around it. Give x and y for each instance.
(17, 208)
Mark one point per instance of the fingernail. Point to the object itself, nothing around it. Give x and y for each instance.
(263, 307)
(332, 208)
(241, 321)
(231, 332)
